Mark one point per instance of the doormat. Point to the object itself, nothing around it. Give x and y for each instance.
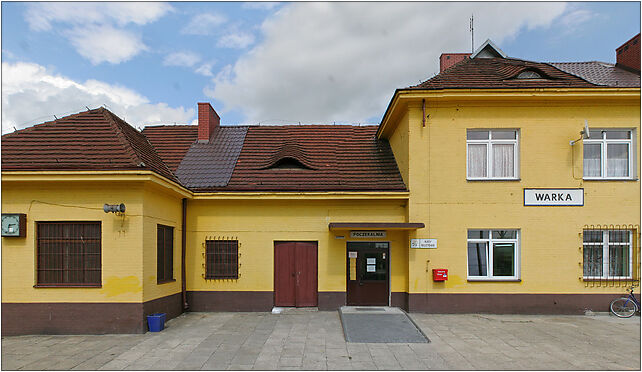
(392, 325)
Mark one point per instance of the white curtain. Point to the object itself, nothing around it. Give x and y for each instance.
(592, 160)
(503, 160)
(477, 160)
(617, 160)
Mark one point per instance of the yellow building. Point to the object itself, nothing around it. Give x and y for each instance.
(476, 193)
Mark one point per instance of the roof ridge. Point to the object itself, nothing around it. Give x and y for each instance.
(29, 129)
(109, 116)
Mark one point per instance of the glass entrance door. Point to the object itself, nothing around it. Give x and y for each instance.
(368, 273)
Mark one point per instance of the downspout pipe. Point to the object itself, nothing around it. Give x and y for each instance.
(183, 248)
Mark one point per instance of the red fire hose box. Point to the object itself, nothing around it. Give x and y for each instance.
(439, 275)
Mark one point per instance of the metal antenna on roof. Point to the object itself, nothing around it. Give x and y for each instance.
(55, 117)
(87, 108)
(472, 34)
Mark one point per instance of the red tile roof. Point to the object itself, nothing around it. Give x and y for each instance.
(171, 141)
(90, 140)
(501, 73)
(333, 158)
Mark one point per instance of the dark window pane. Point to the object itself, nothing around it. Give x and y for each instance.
(221, 259)
(593, 260)
(374, 266)
(477, 234)
(618, 134)
(504, 259)
(503, 134)
(504, 234)
(619, 260)
(593, 236)
(477, 253)
(477, 134)
(619, 236)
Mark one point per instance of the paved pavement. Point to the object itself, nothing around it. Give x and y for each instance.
(311, 340)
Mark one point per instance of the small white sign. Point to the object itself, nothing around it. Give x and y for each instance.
(371, 268)
(553, 197)
(423, 243)
(371, 261)
(352, 254)
(367, 234)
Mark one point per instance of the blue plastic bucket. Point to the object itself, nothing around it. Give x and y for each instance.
(156, 322)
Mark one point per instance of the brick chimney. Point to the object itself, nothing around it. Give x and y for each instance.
(628, 55)
(447, 60)
(208, 121)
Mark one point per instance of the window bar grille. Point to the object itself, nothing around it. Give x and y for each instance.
(621, 244)
(68, 253)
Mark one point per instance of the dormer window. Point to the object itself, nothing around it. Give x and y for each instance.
(287, 163)
(529, 74)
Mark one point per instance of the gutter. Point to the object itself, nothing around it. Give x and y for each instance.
(183, 249)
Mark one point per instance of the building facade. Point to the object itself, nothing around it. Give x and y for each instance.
(476, 193)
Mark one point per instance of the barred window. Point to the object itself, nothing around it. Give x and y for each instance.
(164, 253)
(222, 259)
(608, 254)
(68, 254)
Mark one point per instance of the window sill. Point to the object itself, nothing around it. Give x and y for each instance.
(493, 280)
(166, 281)
(612, 179)
(67, 286)
(493, 179)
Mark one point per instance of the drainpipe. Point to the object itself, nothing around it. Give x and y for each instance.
(183, 248)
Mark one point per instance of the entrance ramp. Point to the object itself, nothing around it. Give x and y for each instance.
(379, 324)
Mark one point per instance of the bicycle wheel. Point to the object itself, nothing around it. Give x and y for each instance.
(623, 307)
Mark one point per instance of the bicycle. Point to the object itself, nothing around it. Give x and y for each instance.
(625, 307)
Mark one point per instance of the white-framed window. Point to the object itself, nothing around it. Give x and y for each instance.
(492, 154)
(608, 154)
(608, 254)
(493, 254)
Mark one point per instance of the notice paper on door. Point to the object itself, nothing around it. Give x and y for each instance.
(371, 261)
(371, 268)
(353, 268)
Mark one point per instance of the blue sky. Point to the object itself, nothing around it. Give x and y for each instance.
(269, 62)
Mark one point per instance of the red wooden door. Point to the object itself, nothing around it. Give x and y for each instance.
(295, 274)
(306, 274)
(284, 274)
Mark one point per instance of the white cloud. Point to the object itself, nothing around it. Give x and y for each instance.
(238, 40)
(105, 43)
(205, 69)
(185, 59)
(342, 61)
(203, 24)
(263, 5)
(97, 29)
(574, 18)
(31, 94)
(41, 15)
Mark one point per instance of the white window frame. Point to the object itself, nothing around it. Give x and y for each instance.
(604, 142)
(606, 259)
(489, 153)
(489, 256)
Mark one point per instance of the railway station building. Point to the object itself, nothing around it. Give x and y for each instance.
(499, 185)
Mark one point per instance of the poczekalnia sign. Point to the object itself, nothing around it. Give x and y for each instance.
(553, 197)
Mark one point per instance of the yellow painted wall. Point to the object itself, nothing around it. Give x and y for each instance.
(441, 197)
(165, 208)
(78, 201)
(257, 224)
